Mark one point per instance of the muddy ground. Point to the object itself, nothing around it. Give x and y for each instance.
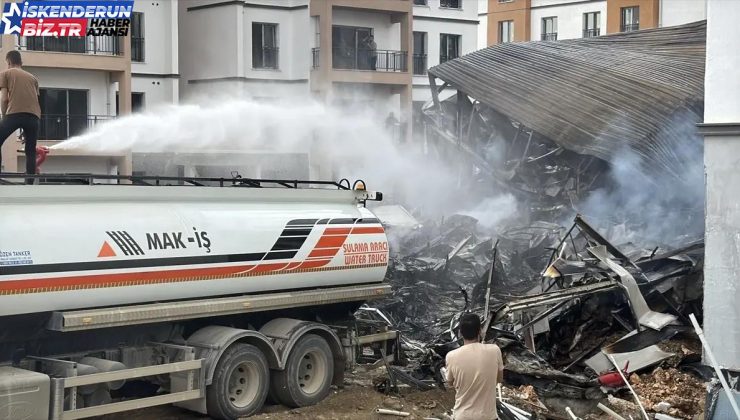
(351, 402)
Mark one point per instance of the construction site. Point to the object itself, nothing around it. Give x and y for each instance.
(580, 196)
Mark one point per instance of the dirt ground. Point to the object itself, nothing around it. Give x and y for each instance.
(351, 402)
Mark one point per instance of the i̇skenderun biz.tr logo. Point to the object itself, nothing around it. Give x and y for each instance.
(67, 18)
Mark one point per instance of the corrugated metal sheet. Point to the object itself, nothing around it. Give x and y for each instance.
(642, 90)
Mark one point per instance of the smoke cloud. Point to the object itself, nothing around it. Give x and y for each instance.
(653, 208)
(353, 144)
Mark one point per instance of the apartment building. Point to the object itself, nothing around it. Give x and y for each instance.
(154, 54)
(86, 81)
(548, 20)
(79, 80)
(442, 30)
(268, 50)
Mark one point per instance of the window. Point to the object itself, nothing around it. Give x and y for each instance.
(137, 102)
(449, 47)
(550, 28)
(264, 46)
(630, 18)
(591, 23)
(137, 37)
(351, 48)
(420, 53)
(505, 31)
(450, 4)
(63, 113)
(420, 2)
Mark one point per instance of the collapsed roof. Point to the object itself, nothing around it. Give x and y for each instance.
(641, 90)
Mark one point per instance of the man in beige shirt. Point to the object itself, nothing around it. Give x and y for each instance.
(474, 370)
(19, 103)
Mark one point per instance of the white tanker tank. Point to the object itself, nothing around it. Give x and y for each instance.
(70, 246)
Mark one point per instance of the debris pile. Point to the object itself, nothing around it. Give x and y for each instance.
(671, 392)
(561, 304)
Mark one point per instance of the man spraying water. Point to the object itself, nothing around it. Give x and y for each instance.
(19, 103)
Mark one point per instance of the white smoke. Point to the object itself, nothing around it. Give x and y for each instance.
(353, 144)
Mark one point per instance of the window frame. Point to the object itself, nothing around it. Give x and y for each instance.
(264, 48)
(589, 32)
(546, 35)
(444, 38)
(510, 24)
(420, 57)
(634, 24)
(140, 25)
(459, 4)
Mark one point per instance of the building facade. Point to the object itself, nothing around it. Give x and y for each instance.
(300, 48)
(442, 30)
(88, 81)
(155, 69)
(549, 20)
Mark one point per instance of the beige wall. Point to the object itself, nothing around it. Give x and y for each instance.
(517, 11)
(649, 13)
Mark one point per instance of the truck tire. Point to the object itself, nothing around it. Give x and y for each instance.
(307, 376)
(240, 383)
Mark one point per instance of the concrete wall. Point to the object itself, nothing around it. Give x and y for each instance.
(157, 76)
(207, 54)
(721, 159)
(569, 14)
(678, 12)
(157, 90)
(101, 98)
(293, 27)
(160, 37)
(517, 11)
(482, 24)
(649, 13)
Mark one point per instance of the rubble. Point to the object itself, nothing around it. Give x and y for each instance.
(555, 302)
(682, 392)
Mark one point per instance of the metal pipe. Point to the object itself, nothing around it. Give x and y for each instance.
(609, 411)
(715, 365)
(392, 412)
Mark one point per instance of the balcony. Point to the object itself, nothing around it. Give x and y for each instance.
(552, 36)
(420, 64)
(590, 33)
(91, 45)
(364, 59)
(630, 28)
(58, 127)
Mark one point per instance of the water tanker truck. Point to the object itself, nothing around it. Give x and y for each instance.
(127, 292)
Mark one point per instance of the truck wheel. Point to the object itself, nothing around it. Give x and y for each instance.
(240, 383)
(307, 375)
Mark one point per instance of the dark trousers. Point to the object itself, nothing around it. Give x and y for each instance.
(29, 123)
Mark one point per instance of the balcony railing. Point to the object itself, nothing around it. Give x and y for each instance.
(93, 45)
(265, 58)
(552, 36)
(315, 58)
(420, 64)
(137, 49)
(63, 126)
(590, 33)
(631, 27)
(374, 60)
